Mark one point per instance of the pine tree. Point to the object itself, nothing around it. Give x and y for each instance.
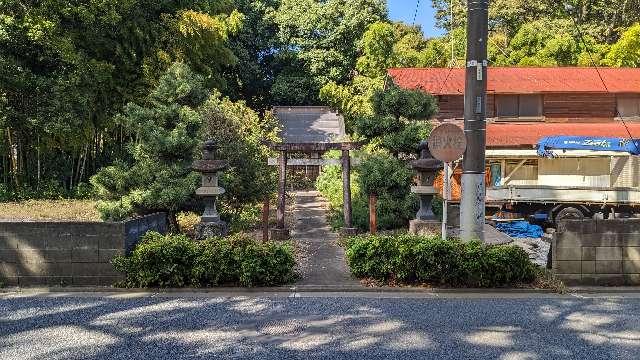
(167, 127)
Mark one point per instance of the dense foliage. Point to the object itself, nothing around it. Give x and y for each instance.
(69, 69)
(66, 68)
(398, 122)
(239, 132)
(167, 126)
(177, 261)
(415, 259)
(380, 174)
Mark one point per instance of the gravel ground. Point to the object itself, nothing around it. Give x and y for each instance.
(201, 327)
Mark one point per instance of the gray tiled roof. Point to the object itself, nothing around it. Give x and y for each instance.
(310, 124)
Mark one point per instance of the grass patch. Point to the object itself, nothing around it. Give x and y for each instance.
(80, 210)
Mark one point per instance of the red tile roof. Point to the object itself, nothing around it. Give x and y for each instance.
(501, 135)
(521, 80)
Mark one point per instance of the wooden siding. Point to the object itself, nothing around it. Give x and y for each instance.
(576, 106)
(452, 107)
(556, 107)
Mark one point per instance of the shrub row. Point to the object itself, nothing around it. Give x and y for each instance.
(177, 261)
(417, 259)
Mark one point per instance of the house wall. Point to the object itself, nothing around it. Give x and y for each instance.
(450, 107)
(573, 107)
(557, 107)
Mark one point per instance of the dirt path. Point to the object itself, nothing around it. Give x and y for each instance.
(321, 260)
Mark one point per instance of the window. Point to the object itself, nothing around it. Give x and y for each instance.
(519, 106)
(507, 105)
(629, 106)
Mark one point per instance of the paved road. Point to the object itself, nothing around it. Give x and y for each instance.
(183, 326)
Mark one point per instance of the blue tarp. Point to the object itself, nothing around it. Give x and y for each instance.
(587, 143)
(520, 229)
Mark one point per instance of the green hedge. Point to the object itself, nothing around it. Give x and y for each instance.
(177, 261)
(416, 259)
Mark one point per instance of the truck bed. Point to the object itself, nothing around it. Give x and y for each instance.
(563, 194)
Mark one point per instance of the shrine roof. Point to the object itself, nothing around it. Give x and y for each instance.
(310, 124)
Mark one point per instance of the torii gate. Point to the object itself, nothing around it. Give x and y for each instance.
(280, 232)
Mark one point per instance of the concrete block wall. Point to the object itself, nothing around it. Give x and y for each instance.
(598, 252)
(68, 253)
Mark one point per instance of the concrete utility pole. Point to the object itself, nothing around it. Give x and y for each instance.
(472, 206)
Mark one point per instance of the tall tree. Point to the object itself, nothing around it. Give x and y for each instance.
(320, 38)
(626, 52)
(67, 67)
(399, 117)
(167, 127)
(255, 46)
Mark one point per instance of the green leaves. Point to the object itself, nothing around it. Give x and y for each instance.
(380, 174)
(177, 261)
(408, 104)
(398, 123)
(168, 129)
(239, 131)
(626, 52)
(319, 40)
(416, 259)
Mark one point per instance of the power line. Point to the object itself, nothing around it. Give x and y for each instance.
(452, 64)
(415, 14)
(569, 9)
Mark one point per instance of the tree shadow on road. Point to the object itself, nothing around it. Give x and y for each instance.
(245, 327)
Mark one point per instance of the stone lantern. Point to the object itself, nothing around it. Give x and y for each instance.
(427, 168)
(210, 225)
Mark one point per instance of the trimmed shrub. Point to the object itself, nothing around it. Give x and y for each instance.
(159, 260)
(187, 222)
(411, 259)
(177, 261)
(242, 260)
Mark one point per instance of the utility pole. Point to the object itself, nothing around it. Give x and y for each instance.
(472, 205)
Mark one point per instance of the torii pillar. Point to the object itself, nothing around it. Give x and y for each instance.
(348, 229)
(280, 232)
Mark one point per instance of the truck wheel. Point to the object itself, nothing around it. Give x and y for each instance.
(569, 213)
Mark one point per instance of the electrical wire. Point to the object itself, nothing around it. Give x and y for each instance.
(452, 63)
(415, 14)
(568, 8)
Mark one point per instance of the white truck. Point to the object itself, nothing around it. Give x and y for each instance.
(569, 184)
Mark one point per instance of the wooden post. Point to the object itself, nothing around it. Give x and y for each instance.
(346, 190)
(373, 221)
(265, 220)
(282, 189)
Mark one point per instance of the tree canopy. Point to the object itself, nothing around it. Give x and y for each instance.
(78, 79)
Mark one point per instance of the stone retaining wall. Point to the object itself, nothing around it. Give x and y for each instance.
(68, 253)
(598, 252)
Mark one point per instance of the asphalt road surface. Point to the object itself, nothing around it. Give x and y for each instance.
(318, 326)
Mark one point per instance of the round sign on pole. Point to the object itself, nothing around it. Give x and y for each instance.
(447, 143)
